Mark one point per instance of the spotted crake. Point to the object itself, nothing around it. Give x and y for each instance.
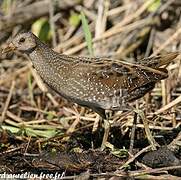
(97, 83)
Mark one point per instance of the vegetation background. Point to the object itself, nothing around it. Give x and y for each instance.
(41, 132)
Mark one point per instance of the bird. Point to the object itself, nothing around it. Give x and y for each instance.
(98, 83)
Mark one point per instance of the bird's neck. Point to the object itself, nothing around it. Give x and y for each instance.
(49, 64)
(43, 55)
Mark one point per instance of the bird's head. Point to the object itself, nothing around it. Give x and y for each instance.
(24, 42)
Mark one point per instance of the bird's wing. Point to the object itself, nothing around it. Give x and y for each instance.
(123, 75)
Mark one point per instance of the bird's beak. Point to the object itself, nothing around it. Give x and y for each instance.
(10, 47)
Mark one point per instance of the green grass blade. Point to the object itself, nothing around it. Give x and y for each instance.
(154, 6)
(87, 33)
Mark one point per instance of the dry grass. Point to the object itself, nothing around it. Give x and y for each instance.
(120, 30)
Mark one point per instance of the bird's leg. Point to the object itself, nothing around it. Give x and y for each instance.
(107, 127)
(133, 133)
(106, 133)
(151, 140)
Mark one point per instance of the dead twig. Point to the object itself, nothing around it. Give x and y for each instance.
(168, 106)
(7, 102)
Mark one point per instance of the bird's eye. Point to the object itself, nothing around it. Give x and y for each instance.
(22, 40)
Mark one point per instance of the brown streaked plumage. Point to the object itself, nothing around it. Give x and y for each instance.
(98, 83)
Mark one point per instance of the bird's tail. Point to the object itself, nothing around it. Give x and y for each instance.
(158, 61)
